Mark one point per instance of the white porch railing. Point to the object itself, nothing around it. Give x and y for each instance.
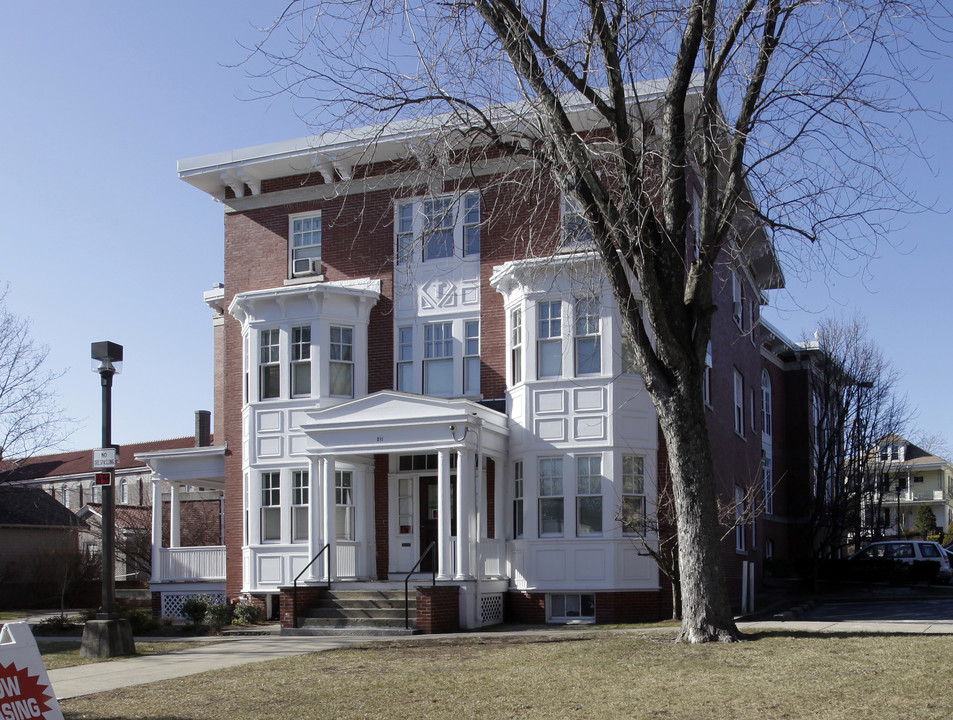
(190, 563)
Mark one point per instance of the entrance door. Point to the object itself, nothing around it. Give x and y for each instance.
(429, 527)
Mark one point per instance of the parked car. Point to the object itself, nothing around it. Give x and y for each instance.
(909, 552)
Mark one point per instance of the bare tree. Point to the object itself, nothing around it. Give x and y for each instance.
(800, 104)
(856, 405)
(31, 419)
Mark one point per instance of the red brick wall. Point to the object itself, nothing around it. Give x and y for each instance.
(438, 609)
(526, 608)
(306, 597)
(631, 607)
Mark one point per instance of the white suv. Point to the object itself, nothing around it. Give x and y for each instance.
(909, 551)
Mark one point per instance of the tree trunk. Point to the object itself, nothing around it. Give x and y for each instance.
(706, 611)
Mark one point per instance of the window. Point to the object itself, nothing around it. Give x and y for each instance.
(737, 297)
(341, 362)
(305, 244)
(518, 499)
(516, 345)
(123, 496)
(587, 345)
(569, 608)
(94, 493)
(405, 359)
(766, 426)
(270, 510)
(471, 357)
(767, 472)
(706, 377)
(405, 506)
(344, 504)
(633, 494)
(299, 506)
(550, 497)
(589, 495)
(630, 363)
(301, 361)
(740, 511)
(441, 227)
(576, 230)
(739, 404)
(438, 228)
(438, 358)
(549, 339)
(471, 225)
(270, 376)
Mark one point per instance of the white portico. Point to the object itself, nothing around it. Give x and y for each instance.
(438, 486)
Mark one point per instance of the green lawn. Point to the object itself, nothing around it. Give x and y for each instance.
(775, 674)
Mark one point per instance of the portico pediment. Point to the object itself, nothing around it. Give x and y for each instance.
(390, 421)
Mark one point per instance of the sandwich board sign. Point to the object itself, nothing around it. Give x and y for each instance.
(25, 691)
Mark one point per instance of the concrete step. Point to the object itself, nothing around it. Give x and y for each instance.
(350, 631)
(321, 622)
(349, 613)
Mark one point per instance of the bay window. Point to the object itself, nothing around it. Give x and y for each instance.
(633, 494)
(587, 341)
(549, 346)
(550, 497)
(341, 362)
(299, 506)
(270, 507)
(301, 361)
(589, 495)
(270, 370)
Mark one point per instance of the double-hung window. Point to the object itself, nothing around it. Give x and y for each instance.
(438, 358)
(551, 497)
(549, 345)
(438, 228)
(305, 244)
(344, 504)
(471, 357)
(767, 472)
(270, 507)
(737, 300)
(576, 230)
(516, 346)
(270, 371)
(301, 361)
(405, 358)
(766, 421)
(341, 362)
(299, 506)
(739, 404)
(633, 494)
(587, 343)
(589, 495)
(518, 499)
(741, 512)
(471, 225)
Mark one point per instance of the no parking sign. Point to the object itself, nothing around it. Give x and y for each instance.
(25, 691)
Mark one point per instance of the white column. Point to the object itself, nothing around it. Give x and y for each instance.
(466, 512)
(315, 541)
(175, 519)
(444, 559)
(330, 519)
(156, 529)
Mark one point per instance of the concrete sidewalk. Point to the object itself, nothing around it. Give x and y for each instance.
(230, 651)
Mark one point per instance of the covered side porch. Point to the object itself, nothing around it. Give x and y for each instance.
(188, 551)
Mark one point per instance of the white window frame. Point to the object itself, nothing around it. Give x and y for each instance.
(269, 362)
(633, 494)
(300, 515)
(739, 407)
(471, 358)
(767, 425)
(589, 481)
(571, 608)
(418, 221)
(270, 483)
(516, 346)
(344, 504)
(575, 227)
(551, 495)
(549, 337)
(305, 235)
(405, 359)
(300, 369)
(587, 333)
(438, 353)
(518, 494)
(340, 359)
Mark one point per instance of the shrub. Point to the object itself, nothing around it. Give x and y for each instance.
(141, 621)
(218, 614)
(195, 608)
(245, 613)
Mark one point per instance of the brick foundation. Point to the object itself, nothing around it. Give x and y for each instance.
(307, 596)
(438, 609)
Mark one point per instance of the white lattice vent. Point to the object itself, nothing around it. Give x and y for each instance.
(491, 609)
(172, 603)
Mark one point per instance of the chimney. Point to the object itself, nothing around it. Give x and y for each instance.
(203, 424)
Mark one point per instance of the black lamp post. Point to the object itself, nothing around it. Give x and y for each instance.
(107, 635)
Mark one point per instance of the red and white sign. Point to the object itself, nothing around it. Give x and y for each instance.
(25, 691)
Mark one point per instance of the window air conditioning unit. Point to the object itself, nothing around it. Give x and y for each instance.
(306, 266)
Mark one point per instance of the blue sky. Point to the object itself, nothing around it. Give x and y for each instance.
(100, 240)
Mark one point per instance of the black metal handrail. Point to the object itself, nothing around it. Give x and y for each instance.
(294, 594)
(433, 580)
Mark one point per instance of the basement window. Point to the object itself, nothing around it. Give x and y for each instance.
(572, 608)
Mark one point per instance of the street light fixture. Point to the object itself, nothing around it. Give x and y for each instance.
(107, 635)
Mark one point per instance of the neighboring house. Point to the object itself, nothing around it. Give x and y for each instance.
(394, 369)
(913, 478)
(39, 550)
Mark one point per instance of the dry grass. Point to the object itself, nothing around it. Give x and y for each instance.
(607, 675)
(65, 653)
